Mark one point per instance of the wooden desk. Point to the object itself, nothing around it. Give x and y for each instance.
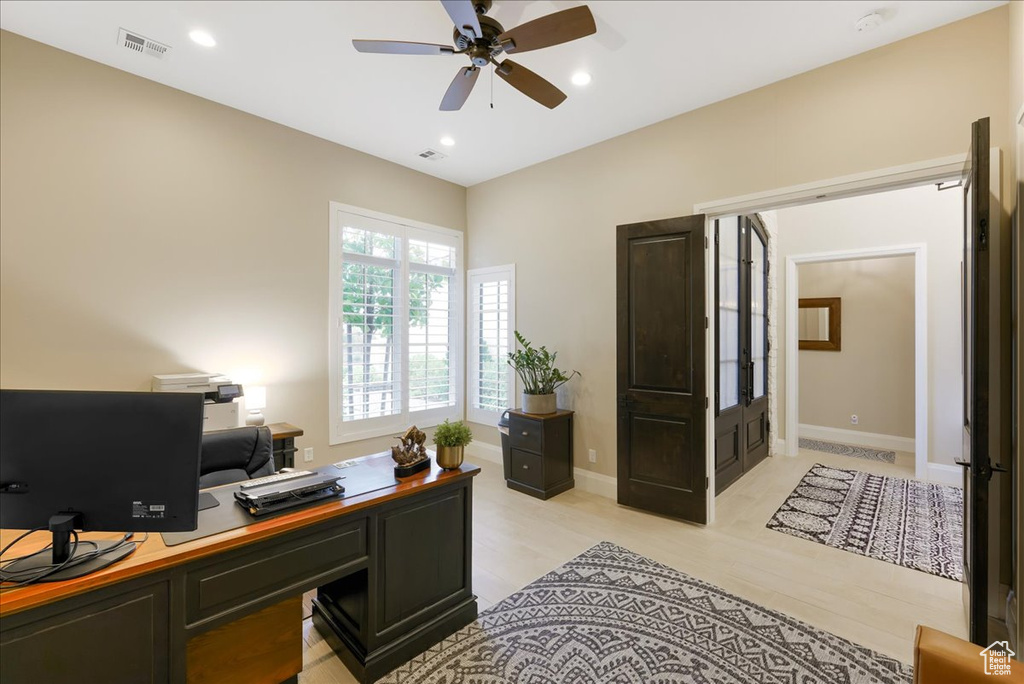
(283, 436)
(393, 568)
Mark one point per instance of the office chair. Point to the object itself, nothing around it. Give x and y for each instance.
(235, 455)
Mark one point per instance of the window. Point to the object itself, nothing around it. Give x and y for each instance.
(492, 313)
(396, 329)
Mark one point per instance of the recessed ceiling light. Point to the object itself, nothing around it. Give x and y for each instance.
(869, 22)
(202, 37)
(447, 141)
(581, 78)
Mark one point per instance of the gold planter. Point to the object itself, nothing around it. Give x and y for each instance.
(449, 458)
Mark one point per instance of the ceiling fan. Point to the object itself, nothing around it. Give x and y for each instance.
(483, 39)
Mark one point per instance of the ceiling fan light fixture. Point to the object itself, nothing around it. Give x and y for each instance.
(202, 38)
(581, 78)
(447, 141)
(483, 39)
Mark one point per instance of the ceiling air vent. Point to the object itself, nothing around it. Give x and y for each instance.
(142, 45)
(432, 155)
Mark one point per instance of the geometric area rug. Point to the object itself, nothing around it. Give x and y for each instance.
(915, 524)
(848, 450)
(611, 615)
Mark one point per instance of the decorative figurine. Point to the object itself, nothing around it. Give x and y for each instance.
(411, 457)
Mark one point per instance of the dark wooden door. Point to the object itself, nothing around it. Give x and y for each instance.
(977, 282)
(741, 347)
(661, 379)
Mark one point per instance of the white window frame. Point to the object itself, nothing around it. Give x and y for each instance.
(475, 276)
(342, 432)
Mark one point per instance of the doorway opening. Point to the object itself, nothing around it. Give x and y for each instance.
(857, 393)
(767, 205)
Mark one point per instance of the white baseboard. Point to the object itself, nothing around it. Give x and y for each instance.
(941, 473)
(587, 481)
(868, 439)
(780, 448)
(596, 483)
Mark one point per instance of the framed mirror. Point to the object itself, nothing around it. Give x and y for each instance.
(819, 323)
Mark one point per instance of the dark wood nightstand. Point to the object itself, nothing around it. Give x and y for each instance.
(284, 435)
(540, 461)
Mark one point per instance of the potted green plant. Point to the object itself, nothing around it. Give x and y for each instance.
(451, 440)
(536, 368)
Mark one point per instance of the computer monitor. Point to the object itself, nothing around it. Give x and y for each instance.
(96, 461)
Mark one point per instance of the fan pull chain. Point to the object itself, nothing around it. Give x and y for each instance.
(492, 86)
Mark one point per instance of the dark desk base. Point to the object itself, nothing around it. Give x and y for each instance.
(369, 667)
(415, 591)
(393, 579)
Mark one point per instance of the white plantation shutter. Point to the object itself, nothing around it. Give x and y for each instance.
(432, 325)
(491, 381)
(395, 334)
(372, 370)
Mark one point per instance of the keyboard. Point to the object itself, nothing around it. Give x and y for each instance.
(276, 477)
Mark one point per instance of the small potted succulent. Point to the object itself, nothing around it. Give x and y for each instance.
(536, 368)
(451, 440)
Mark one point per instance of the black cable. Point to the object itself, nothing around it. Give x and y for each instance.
(14, 578)
(42, 573)
(4, 550)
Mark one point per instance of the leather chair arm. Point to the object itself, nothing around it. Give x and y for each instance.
(941, 658)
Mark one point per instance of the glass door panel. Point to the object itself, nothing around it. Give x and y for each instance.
(758, 318)
(728, 245)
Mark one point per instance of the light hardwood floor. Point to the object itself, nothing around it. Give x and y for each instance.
(517, 538)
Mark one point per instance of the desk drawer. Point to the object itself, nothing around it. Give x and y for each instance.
(525, 434)
(528, 469)
(219, 587)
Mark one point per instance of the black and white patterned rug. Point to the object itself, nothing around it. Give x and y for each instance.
(866, 453)
(915, 524)
(611, 615)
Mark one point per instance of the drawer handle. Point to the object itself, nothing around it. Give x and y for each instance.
(526, 467)
(525, 433)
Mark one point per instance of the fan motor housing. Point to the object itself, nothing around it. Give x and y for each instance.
(482, 49)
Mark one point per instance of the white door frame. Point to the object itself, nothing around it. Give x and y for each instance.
(920, 254)
(865, 183)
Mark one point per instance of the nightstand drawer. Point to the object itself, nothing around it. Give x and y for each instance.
(526, 434)
(527, 469)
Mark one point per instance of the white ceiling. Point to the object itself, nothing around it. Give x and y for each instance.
(293, 63)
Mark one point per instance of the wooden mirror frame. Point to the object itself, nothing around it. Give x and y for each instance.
(835, 308)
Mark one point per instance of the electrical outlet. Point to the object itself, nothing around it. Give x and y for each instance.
(307, 454)
(593, 455)
(854, 419)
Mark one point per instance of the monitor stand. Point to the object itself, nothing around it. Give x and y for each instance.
(207, 500)
(87, 557)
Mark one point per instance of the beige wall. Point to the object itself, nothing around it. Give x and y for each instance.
(872, 375)
(1016, 207)
(909, 101)
(921, 215)
(145, 230)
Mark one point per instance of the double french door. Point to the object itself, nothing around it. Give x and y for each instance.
(741, 347)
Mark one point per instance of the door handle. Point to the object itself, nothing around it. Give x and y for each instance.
(750, 384)
(962, 463)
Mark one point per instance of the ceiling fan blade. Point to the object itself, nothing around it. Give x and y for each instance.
(459, 90)
(463, 15)
(560, 27)
(530, 84)
(398, 47)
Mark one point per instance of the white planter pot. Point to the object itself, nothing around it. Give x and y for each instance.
(539, 403)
